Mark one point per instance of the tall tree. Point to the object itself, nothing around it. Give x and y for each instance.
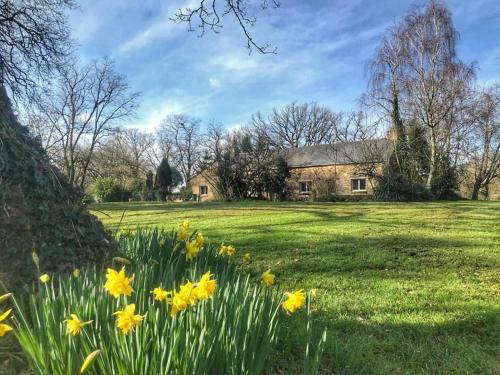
(163, 178)
(183, 134)
(34, 39)
(297, 125)
(416, 77)
(484, 152)
(82, 110)
(433, 77)
(126, 155)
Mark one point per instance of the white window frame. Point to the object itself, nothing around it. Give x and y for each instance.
(308, 187)
(201, 188)
(358, 179)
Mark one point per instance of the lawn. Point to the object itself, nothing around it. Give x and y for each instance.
(402, 288)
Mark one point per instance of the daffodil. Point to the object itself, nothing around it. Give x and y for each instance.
(247, 257)
(45, 278)
(75, 325)
(200, 240)
(124, 232)
(294, 301)
(160, 294)
(187, 295)
(90, 358)
(184, 230)
(5, 297)
(205, 288)
(35, 258)
(4, 328)
(268, 278)
(227, 249)
(117, 283)
(127, 320)
(192, 250)
(76, 273)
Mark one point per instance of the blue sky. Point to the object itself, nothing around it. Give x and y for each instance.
(323, 47)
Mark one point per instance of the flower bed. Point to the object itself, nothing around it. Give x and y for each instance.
(169, 304)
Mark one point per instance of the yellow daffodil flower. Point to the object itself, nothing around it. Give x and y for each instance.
(227, 249)
(192, 250)
(4, 328)
(117, 283)
(294, 301)
(124, 232)
(160, 294)
(127, 320)
(178, 303)
(76, 273)
(45, 278)
(247, 257)
(75, 325)
(205, 288)
(186, 296)
(5, 297)
(268, 278)
(35, 258)
(90, 358)
(200, 240)
(184, 230)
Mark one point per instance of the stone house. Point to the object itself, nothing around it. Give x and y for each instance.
(319, 171)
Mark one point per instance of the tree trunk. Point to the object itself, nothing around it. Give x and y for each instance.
(432, 162)
(475, 190)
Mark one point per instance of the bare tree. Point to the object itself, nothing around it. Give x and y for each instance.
(209, 15)
(297, 125)
(34, 39)
(385, 84)
(485, 149)
(433, 75)
(137, 147)
(213, 141)
(183, 134)
(125, 156)
(83, 109)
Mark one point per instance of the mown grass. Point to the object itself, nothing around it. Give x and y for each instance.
(403, 288)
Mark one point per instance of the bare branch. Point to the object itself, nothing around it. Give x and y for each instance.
(209, 15)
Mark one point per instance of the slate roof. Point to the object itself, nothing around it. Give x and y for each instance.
(337, 153)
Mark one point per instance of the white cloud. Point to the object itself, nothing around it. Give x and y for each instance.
(156, 115)
(163, 28)
(232, 128)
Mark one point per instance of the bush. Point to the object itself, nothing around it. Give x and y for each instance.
(186, 194)
(232, 332)
(106, 189)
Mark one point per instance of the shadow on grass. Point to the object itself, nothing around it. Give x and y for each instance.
(465, 344)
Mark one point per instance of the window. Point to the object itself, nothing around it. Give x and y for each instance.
(358, 184)
(305, 187)
(203, 190)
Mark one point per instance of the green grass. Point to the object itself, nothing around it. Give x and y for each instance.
(403, 288)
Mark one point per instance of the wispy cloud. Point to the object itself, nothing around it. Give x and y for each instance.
(323, 47)
(161, 28)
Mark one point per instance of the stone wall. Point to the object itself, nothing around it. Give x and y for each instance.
(325, 181)
(329, 180)
(202, 180)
